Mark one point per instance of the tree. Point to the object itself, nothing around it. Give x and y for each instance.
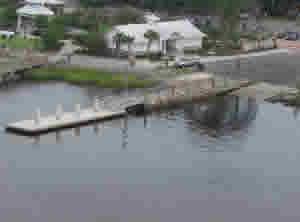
(53, 34)
(229, 11)
(41, 23)
(95, 43)
(277, 7)
(119, 38)
(151, 36)
(9, 16)
(128, 40)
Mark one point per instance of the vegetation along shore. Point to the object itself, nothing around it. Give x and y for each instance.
(96, 77)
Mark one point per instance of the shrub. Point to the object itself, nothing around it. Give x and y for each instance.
(53, 34)
(207, 43)
(41, 23)
(8, 16)
(94, 42)
(155, 56)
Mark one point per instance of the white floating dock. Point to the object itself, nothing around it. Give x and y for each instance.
(66, 120)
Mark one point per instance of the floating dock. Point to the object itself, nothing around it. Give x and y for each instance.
(67, 120)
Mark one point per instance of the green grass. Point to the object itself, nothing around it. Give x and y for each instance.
(104, 28)
(21, 43)
(1, 11)
(99, 78)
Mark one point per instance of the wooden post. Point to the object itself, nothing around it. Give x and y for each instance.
(96, 105)
(77, 110)
(96, 129)
(173, 88)
(59, 112)
(37, 116)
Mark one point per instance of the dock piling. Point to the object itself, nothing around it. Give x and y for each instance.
(37, 116)
(96, 105)
(59, 112)
(77, 110)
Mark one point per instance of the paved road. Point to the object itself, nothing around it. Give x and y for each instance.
(276, 66)
(282, 68)
(113, 64)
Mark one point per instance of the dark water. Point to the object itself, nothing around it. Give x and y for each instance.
(232, 160)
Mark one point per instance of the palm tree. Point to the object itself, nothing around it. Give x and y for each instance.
(175, 36)
(151, 36)
(118, 39)
(128, 40)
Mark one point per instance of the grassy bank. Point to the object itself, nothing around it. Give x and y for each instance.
(21, 43)
(88, 76)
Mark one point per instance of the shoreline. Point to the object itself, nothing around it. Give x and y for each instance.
(88, 76)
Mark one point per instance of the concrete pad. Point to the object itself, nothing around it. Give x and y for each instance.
(263, 91)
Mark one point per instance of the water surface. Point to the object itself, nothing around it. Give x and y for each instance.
(232, 160)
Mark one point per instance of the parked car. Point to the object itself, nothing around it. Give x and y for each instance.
(292, 36)
(180, 64)
(281, 35)
(6, 34)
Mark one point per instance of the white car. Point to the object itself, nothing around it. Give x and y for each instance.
(6, 34)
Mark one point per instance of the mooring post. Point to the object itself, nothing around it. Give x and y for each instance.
(59, 112)
(37, 116)
(173, 91)
(189, 91)
(77, 110)
(96, 129)
(96, 105)
(213, 83)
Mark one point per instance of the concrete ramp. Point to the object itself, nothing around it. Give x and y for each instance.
(263, 91)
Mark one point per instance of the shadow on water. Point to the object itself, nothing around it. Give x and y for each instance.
(223, 115)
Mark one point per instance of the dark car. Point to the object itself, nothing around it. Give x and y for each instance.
(179, 64)
(292, 36)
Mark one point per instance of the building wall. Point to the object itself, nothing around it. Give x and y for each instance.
(189, 44)
(140, 48)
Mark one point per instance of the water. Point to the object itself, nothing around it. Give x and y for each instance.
(233, 160)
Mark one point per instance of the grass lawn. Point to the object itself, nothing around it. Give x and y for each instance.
(104, 28)
(88, 76)
(1, 11)
(21, 43)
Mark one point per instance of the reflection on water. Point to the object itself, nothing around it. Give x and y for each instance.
(223, 114)
(215, 118)
(125, 132)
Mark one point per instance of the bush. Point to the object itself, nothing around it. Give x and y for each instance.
(53, 34)
(155, 56)
(208, 44)
(89, 76)
(41, 23)
(94, 42)
(8, 16)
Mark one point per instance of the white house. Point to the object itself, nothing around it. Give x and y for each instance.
(34, 8)
(151, 17)
(174, 36)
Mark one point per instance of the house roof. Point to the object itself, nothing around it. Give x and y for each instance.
(34, 10)
(150, 17)
(43, 2)
(165, 29)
